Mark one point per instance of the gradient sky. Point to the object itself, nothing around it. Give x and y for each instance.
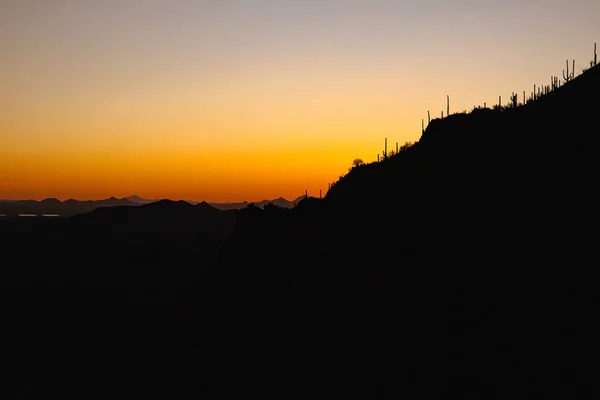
(227, 100)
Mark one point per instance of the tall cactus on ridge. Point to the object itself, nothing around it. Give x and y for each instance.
(569, 76)
(385, 149)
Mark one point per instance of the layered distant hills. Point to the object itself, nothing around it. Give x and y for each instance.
(71, 207)
(55, 206)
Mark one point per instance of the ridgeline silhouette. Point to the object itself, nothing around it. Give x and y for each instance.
(71, 207)
(459, 267)
(448, 270)
(54, 206)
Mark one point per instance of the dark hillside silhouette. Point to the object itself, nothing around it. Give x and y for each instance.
(454, 269)
(517, 161)
(164, 216)
(461, 267)
(88, 296)
(119, 246)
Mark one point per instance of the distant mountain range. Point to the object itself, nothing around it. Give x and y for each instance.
(280, 202)
(71, 207)
(55, 206)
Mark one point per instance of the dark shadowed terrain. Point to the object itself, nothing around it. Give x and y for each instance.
(461, 268)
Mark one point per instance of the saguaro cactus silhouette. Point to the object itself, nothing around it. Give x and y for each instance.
(595, 56)
(447, 105)
(385, 149)
(513, 99)
(568, 76)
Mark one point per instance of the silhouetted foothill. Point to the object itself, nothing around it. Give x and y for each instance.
(445, 257)
(306, 204)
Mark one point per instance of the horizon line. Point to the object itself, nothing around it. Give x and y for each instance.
(150, 200)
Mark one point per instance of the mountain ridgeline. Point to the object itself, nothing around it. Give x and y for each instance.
(457, 258)
(457, 268)
(55, 207)
(480, 172)
(61, 208)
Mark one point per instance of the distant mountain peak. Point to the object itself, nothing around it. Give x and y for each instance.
(134, 198)
(206, 206)
(51, 200)
(165, 201)
(169, 203)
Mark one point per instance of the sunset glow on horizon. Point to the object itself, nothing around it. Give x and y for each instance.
(228, 100)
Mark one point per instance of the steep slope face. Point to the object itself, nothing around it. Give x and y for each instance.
(489, 178)
(441, 269)
(531, 165)
(492, 180)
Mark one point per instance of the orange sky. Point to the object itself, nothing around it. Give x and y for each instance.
(231, 101)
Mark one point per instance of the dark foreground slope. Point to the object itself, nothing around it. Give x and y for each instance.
(460, 268)
(88, 249)
(89, 301)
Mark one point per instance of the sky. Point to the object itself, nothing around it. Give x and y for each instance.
(231, 100)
